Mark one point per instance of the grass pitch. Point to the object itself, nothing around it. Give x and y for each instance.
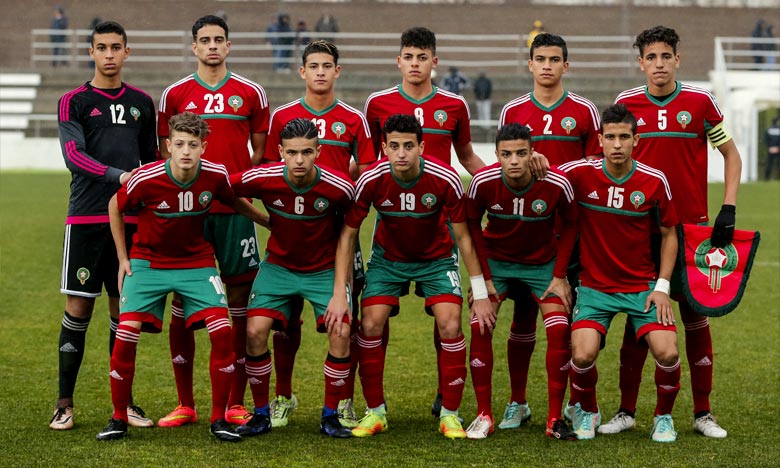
(33, 208)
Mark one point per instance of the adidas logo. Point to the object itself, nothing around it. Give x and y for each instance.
(241, 361)
(252, 262)
(667, 387)
(386, 203)
(640, 122)
(190, 106)
(496, 207)
(477, 363)
(115, 375)
(593, 195)
(179, 360)
(278, 203)
(68, 348)
(705, 361)
(339, 383)
(254, 381)
(163, 206)
(95, 112)
(228, 370)
(576, 387)
(457, 381)
(222, 300)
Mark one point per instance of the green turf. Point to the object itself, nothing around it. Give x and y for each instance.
(33, 207)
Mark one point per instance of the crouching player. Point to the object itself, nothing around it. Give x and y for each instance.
(618, 201)
(414, 196)
(169, 254)
(306, 205)
(518, 247)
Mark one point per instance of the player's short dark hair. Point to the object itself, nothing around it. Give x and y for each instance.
(188, 122)
(321, 47)
(657, 34)
(108, 27)
(299, 128)
(209, 20)
(549, 40)
(617, 114)
(403, 123)
(513, 131)
(420, 37)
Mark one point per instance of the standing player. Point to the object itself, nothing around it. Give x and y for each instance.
(344, 138)
(307, 204)
(106, 129)
(519, 245)
(416, 197)
(564, 127)
(170, 254)
(675, 122)
(619, 202)
(443, 116)
(237, 111)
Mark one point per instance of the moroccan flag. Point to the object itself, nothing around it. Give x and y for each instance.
(713, 278)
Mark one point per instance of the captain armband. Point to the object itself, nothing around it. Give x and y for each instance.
(718, 135)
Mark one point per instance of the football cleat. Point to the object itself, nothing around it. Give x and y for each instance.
(515, 415)
(663, 429)
(451, 428)
(708, 426)
(620, 422)
(346, 412)
(585, 423)
(481, 427)
(224, 431)
(436, 406)
(178, 417)
(281, 409)
(256, 425)
(137, 418)
(568, 412)
(62, 419)
(372, 423)
(331, 426)
(558, 429)
(237, 415)
(115, 429)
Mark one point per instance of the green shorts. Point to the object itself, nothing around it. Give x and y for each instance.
(536, 277)
(235, 246)
(276, 286)
(438, 280)
(595, 309)
(144, 294)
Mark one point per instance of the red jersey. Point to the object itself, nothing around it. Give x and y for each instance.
(412, 216)
(615, 221)
(444, 118)
(171, 215)
(305, 223)
(234, 109)
(566, 131)
(342, 132)
(520, 224)
(673, 138)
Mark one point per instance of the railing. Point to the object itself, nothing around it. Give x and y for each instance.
(365, 51)
(747, 53)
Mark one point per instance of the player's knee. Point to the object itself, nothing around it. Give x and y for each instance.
(667, 357)
(583, 357)
(257, 334)
(450, 329)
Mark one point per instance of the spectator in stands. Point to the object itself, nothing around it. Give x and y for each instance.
(770, 34)
(456, 81)
(281, 43)
(538, 28)
(302, 36)
(483, 89)
(92, 25)
(59, 21)
(326, 26)
(758, 33)
(772, 141)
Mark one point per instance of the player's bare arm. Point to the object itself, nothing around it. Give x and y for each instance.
(345, 251)
(481, 308)
(257, 140)
(117, 223)
(243, 207)
(539, 165)
(660, 295)
(468, 158)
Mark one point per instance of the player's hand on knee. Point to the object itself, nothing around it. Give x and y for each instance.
(337, 309)
(486, 315)
(663, 307)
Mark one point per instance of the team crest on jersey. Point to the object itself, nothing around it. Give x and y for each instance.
(440, 116)
(321, 204)
(205, 198)
(637, 198)
(568, 124)
(235, 102)
(539, 206)
(83, 275)
(683, 118)
(135, 113)
(715, 262)
(338, 128)
(429, 200)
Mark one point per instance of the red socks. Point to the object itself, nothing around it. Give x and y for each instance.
(481, 365)
(453, 371)
(556, 325)
(221, 364)
(123, 369)
(182, 344)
